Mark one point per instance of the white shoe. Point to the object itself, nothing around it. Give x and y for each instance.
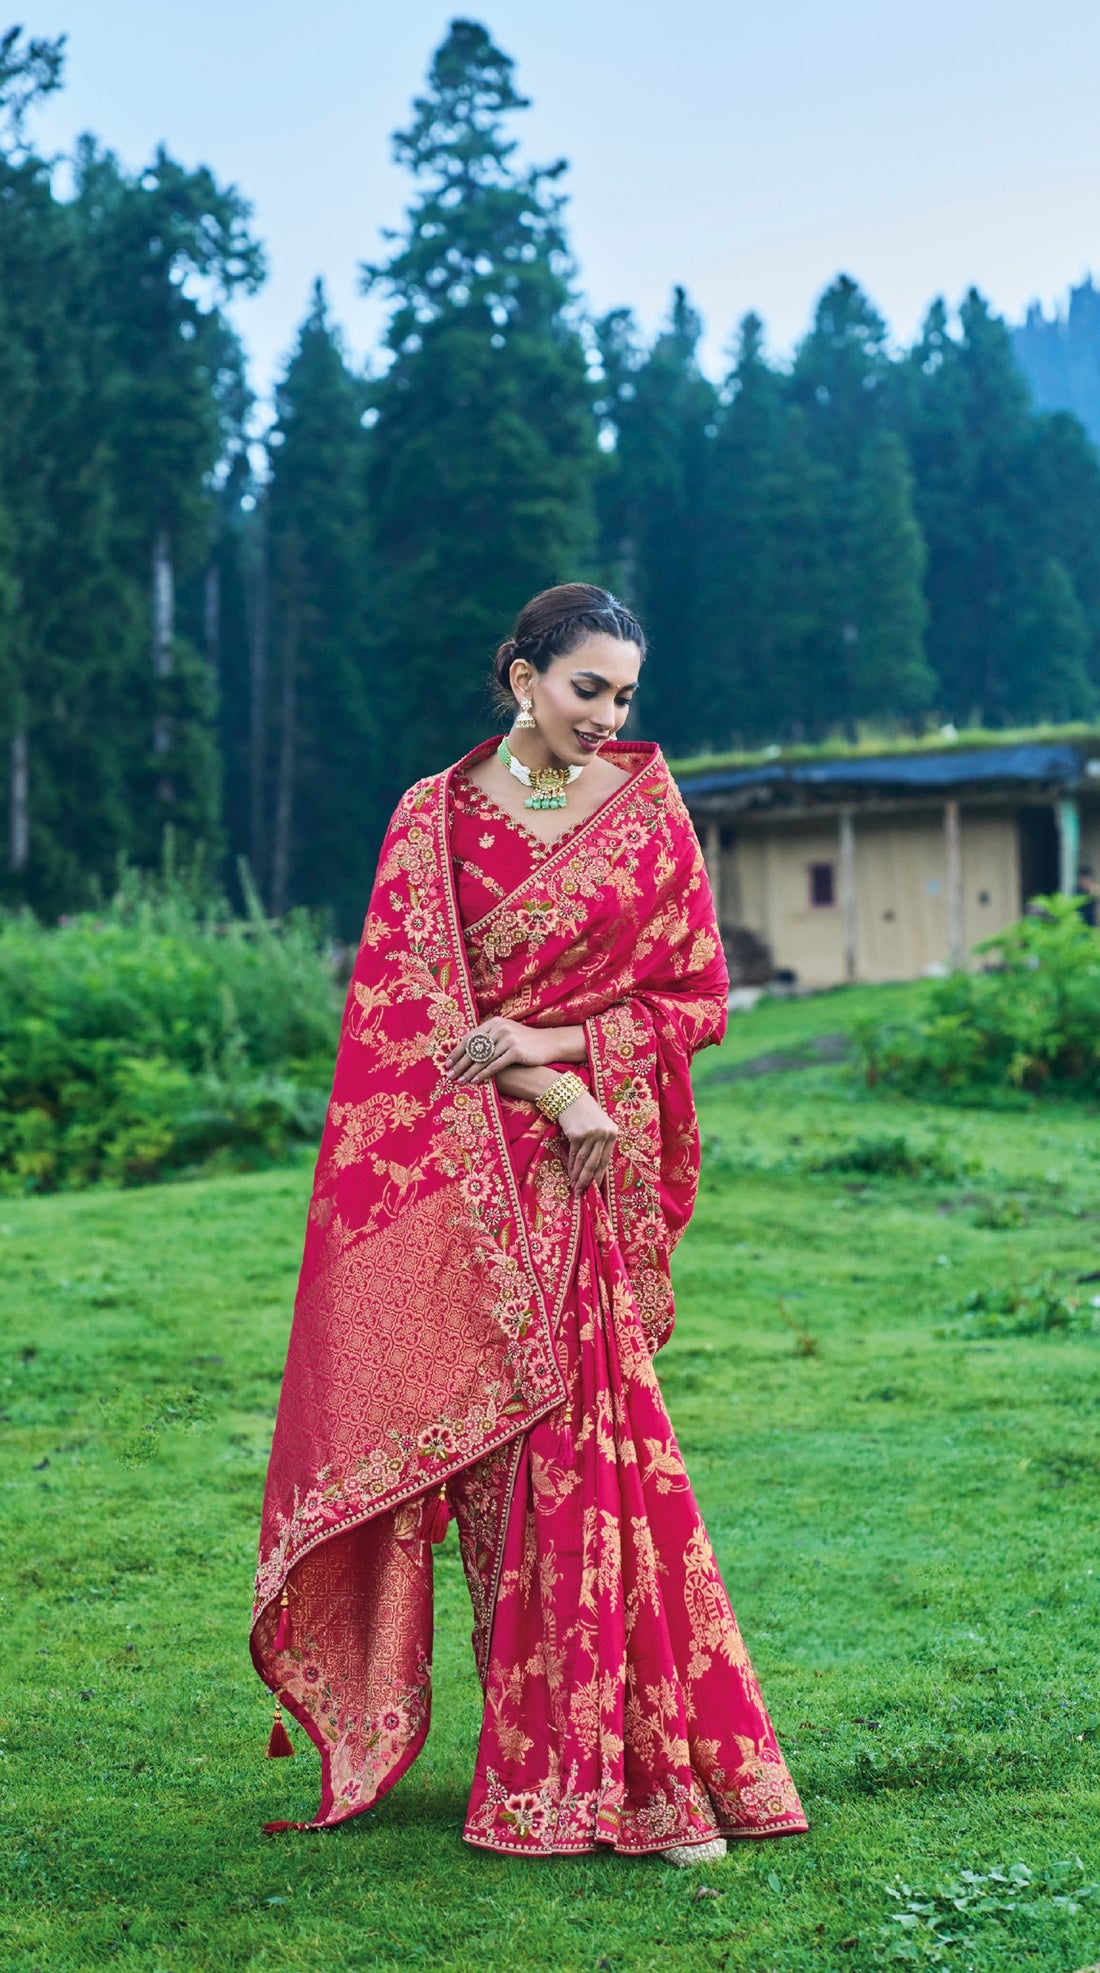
(683, 1855)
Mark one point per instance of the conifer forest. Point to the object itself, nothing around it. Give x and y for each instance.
(245, 636)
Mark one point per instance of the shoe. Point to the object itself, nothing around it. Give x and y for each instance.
(683, 1855)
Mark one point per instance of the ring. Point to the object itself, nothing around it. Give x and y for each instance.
(479, 1048)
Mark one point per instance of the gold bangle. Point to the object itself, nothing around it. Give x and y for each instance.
(559, 1095)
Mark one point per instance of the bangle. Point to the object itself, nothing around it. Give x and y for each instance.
(563, 1091)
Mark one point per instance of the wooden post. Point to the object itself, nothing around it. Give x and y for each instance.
(712, 856)
(848, 892)
(953, 839)
(1069, 845)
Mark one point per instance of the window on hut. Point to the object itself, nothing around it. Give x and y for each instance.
(822, 885)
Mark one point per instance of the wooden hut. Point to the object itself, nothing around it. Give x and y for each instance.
(837, 865)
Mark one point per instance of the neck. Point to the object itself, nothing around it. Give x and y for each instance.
(531, 749)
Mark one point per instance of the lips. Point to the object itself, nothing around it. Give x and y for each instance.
(591, 742)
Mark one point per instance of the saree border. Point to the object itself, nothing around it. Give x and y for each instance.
(550, 1316)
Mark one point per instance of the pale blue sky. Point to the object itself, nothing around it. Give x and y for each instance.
(748, 151)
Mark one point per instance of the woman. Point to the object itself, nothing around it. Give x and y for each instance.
(509, 1157)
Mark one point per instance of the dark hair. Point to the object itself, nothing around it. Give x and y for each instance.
(555, 621)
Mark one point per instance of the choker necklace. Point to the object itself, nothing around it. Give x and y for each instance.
(549, 783)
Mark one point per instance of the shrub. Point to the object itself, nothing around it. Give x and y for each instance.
(158, 1035)
(1040, 1309)
(890, 1154)
(1029, 1022)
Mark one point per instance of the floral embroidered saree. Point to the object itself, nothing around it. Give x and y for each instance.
(469, 1334)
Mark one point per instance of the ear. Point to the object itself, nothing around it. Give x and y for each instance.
(520, 674)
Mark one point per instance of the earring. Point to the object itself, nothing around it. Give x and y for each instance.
(525, 721)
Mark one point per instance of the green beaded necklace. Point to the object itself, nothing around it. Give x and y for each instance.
(549, 783)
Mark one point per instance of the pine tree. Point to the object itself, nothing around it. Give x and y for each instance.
(969, 437)
(1052, 651)
(173, 402)
(652, 498)
(807, 681)
(734, 678)
(841, 376)
(483, 454)
(65, 623)
(888, 672)
(326, 815)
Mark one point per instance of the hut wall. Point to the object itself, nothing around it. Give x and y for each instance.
(768, 872)
(901, 882)
(991, 877)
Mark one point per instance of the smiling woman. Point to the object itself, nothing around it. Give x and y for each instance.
(510, 1155)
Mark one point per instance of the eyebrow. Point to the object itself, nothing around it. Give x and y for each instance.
(599, 679)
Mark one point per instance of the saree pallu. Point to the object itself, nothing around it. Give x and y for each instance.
(468, 1330)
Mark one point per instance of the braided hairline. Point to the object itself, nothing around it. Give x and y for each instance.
(627, 628)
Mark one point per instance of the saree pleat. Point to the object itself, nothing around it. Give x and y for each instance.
(620, 1704)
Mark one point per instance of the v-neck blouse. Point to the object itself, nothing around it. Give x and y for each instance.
(490, 850)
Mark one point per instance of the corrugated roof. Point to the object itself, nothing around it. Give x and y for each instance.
(1060, 762)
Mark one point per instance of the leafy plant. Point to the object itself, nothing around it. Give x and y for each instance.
(1036, 1310)
(1001, 1215)
(1029, 1022)
(934, 1922)
(891, 1154)
(156, 1035)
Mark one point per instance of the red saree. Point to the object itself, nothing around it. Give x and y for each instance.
(467, 1330)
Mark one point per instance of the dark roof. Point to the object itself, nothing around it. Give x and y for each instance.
(1046, 761)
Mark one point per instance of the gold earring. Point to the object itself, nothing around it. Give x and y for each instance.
(525, 719)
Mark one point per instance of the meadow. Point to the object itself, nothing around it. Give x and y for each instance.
(886, 1381)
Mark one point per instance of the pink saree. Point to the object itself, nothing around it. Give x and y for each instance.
(468, 1333)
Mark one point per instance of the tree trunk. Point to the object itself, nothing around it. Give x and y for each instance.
(284, 791)
(257, 710)
(164, 612)
(212, 615)
(19, 837)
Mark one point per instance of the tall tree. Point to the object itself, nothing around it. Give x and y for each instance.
(1052, 650)
(969, 436)
(735, 688)
(484, 449)
(651, 502)
(168, 247)
(327, 756)
(841, 376)
(64, 631)
(888, 673)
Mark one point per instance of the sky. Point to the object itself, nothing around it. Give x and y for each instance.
(749, 152)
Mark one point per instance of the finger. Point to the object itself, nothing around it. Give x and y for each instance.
(586, 1166)
(601, 1162)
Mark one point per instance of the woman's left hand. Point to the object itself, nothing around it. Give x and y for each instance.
(514, 1046)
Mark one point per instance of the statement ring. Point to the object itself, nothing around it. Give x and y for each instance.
(479, 1048)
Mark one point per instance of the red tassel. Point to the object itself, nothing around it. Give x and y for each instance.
(441, 1518)
(284, 1635)
(280, 1743)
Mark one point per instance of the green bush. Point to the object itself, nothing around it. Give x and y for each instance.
(1039, 1309)
(158, 1035)
(890, 1154)
(1029, 1022)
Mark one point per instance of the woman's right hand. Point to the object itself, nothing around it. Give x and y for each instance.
(591, 1137)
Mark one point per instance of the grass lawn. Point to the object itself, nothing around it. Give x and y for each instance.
(907, 1521)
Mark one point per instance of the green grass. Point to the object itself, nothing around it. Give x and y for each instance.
(876, 743)
(907, 1524)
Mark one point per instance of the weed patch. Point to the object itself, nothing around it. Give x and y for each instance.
(1039, 1309)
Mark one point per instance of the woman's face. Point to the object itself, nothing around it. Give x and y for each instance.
(582, 698)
